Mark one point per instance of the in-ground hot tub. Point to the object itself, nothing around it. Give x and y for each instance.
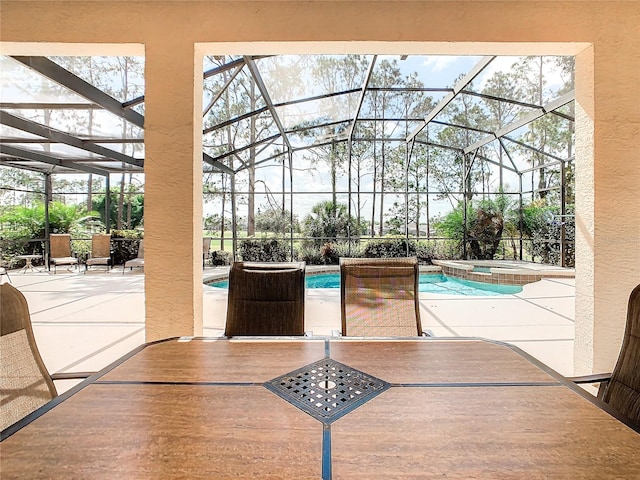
(505, 272)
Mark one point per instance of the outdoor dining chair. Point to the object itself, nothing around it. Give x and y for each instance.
(25, 382)
(266, 299)
(379, 297)
(621, 387)
(60, 251)
(3, 271)
(135, 262)
(100, 251)
(206, 247)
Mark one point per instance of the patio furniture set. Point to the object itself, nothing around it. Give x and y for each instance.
(61, 254)
(378, 399)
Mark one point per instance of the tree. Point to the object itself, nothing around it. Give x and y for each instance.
(20, 187)
(543, 227)
(500, 113)
(448, 165)
(275, 221)
(329, 222)
(122, 78)
(235, 94)
(383, 104)
(135, 207)
(333, 74)
(414, 176)
(551, 134)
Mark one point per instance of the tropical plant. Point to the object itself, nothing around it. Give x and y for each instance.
(484, 225)
(30, 221)
(329, 222)
(485, 233)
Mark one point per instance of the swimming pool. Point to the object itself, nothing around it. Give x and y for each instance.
(430, 283)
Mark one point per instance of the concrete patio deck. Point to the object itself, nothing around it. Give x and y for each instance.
(83, 322)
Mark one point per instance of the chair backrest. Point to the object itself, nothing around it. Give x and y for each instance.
(60, 245)
(141, 249)
(379, 297)
(25, 382)
(266, 298)
(100, 245)
(206, 245)
(623, 390)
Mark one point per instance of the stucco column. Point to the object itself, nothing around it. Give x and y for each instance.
(607, 204)
(585, 214)
(173, 189)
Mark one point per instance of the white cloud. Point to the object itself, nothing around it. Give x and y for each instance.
(438, 63)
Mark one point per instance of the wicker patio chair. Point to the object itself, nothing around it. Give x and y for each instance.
(266, 299)
(379, 297)
(25, 383)
(100, 251)
(621, 388)
(135, 262)
(206, 246)
(60, 251)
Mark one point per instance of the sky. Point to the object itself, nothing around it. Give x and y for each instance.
(433, 70)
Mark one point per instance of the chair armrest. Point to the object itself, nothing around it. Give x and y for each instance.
(595, 378)
(601, 378)
(71, 375)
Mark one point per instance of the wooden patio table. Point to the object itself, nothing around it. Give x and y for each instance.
(323, 408)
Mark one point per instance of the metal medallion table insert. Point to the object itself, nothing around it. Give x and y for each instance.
(326, 389)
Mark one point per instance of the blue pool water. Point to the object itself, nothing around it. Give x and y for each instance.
(431, 283)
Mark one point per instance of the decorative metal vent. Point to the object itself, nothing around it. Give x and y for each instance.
(327, 389)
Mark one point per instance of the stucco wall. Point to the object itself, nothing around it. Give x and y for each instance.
(603, 35)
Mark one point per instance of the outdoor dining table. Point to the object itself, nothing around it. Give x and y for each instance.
(323, 408)
(28, 265)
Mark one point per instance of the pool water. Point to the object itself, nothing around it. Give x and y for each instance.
(431, 283)
(483, 269)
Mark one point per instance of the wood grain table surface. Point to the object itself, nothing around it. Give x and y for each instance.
(198, 408)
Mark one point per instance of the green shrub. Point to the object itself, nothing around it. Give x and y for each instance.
(429, 250)
(124, 245)
(310, 255)
(263, 250)
(389, 248)
(221, 257)
(81, 249)
(426, 252)
(356, 250)
(13, 243)
(329, 254)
